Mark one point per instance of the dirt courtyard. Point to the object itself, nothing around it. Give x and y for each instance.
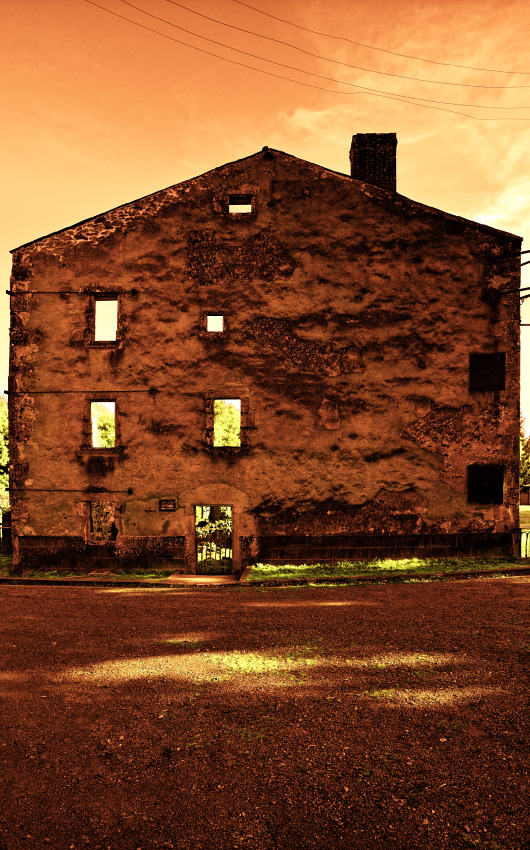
(330, 717)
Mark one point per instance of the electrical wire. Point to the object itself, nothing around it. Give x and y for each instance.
(411, 100)
(311, 73)
(379, 49)
(336, 61)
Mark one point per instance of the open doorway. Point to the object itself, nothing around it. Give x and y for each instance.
(213, 539)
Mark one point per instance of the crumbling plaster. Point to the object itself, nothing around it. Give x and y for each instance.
(352, 313)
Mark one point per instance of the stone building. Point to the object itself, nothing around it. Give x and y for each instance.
(272, 361)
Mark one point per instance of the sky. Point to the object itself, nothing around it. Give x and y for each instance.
(97, 111)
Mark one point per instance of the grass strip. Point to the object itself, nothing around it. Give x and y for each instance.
(382, 567)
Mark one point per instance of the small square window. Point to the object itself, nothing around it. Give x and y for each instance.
(487, 372)
(106, 319)
(240, 203)
(103, 421)
(215, 324)
(227, 422)
(485, 483)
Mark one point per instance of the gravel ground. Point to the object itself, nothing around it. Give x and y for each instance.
(331, 717)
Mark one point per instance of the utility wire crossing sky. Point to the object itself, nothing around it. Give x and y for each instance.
(104, 103)
(419, 101)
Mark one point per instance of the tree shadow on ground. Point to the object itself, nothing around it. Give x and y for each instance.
(345, 717)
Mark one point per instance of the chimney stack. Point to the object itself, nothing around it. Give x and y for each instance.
(373, 159)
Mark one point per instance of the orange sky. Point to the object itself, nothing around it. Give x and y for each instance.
(97, 111)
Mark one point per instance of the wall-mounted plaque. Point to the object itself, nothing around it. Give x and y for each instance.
(167, 505)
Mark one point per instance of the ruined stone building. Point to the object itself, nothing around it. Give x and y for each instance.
(270, 362)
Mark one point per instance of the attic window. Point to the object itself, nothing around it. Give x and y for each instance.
(227, 422)
(487, 372)
(106, 320)
(485, 483)
(215, 323)
(240, 203)
(103, 422)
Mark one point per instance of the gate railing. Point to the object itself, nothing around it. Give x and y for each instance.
(214, 552)
(525, 543)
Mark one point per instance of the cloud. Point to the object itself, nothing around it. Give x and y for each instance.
(509, 208)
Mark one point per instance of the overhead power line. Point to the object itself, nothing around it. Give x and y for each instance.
(335, 61)
(379, 49)
(312, 73)
(412, 100)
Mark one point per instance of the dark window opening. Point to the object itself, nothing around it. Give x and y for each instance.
(485, 483)
(213, 539)
(240, 203)
(167, 505)
(487, 372)
(106, 319)
(103, 424)
(227, 422)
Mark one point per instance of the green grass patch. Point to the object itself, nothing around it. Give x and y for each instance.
(48, 574)
(383, 567)
(6, 563)
(153, 574)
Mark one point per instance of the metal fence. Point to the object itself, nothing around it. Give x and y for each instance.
(214, 554)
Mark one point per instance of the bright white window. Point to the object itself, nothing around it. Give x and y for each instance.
(106, 319)
(103, 418)
(214, 324)
(240, 203)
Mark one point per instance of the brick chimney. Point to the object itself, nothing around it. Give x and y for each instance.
(373, 159)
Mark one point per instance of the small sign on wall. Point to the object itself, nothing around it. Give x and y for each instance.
(167, 505)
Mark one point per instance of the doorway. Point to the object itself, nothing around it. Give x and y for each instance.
(213, 539)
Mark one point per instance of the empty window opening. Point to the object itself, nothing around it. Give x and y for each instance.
(106, 321)
(240, 203)
(103, 528)
(485, 483)
(215, 324)
(103, 420)
(227, 422)
(487, 372)
(213, 538)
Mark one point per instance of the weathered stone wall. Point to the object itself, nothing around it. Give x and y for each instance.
(351, 313)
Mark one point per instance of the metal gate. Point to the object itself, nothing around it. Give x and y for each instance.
(213, 539)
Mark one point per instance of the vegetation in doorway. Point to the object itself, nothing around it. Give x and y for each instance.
(213, 533)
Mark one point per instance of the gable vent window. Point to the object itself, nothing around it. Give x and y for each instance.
(106, 321)
(487, 372)
(103, 422)
(485, 483)
(215, 324)
(240, 203)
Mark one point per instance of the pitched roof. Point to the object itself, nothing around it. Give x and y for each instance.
(151, 203)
